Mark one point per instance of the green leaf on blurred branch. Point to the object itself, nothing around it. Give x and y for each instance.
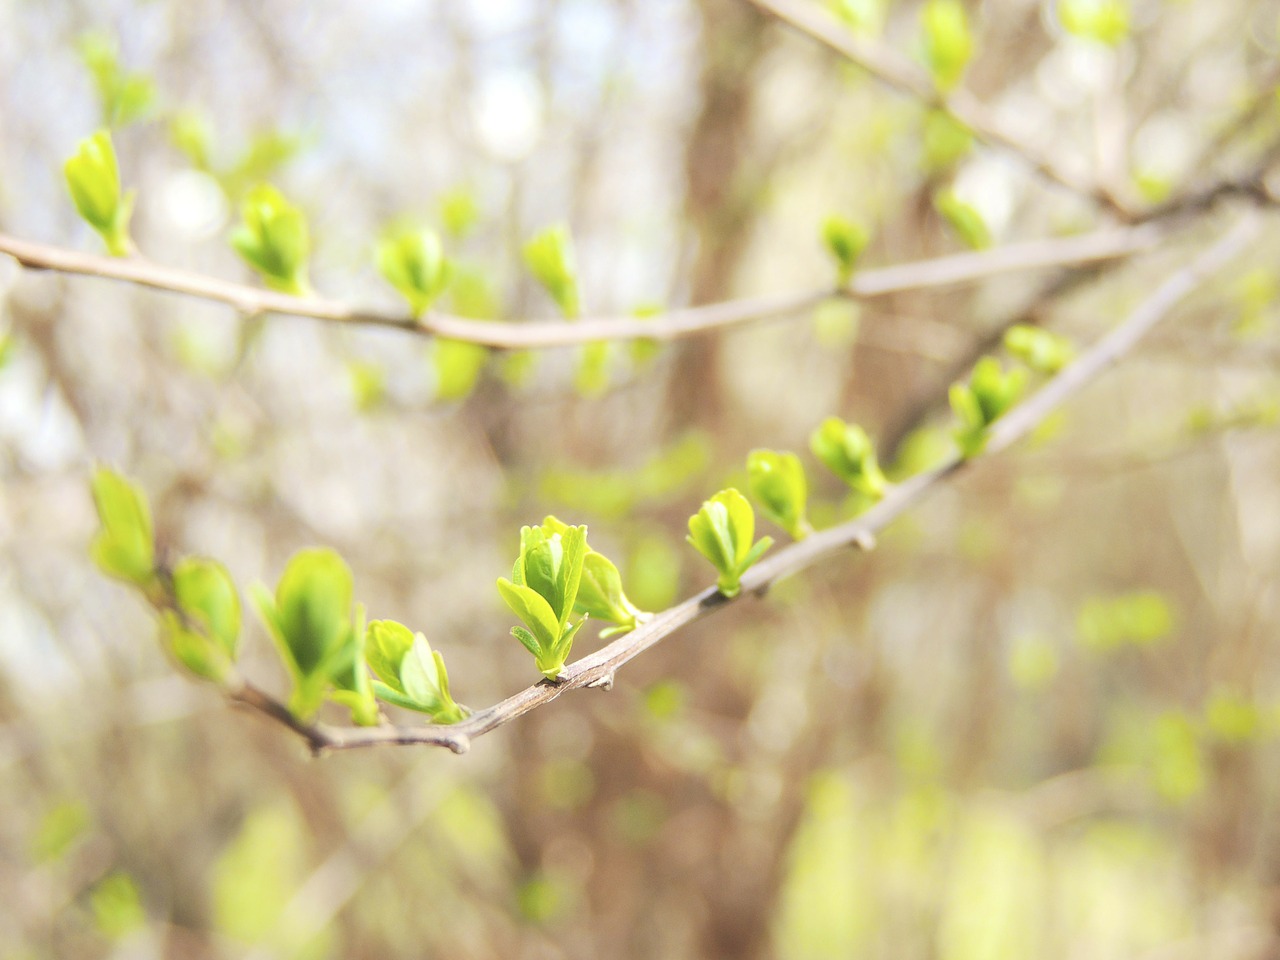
(600, 594)
(722, 531)
(274, 240)
(410, 674)
(93, 178)
(542, 592)
(207, 641)
(964, 219)
(310, 620)
(1102, 21)
(948, 42)
(1042, 350)
(413, 262)
(549, 257)
(849, 453)
(124, 547)
(845, 240)
(117, 905)
(124, 96)
(988, 395)
(777, 482)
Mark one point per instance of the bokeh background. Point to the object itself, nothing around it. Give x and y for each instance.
(1040, 720)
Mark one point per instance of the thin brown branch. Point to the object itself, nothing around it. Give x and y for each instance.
(598, 669)
(945, 271)
(899, 74)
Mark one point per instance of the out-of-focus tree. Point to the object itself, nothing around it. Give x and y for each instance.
(464, 285)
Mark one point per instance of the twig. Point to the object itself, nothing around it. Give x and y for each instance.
(901, 75)
(597, 669)
(918, 275)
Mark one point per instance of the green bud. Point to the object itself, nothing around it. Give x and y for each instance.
(948, 44)
(1041, 350)
(413, 262)
(1102, 21)
(722, 531)
(549, 257)
(845, 240)
(977, 404)
(777, 482)
(848, 452)
(273, 239)
(206, 637)
(124, 547)
(963, 218)
(543, 590)
(94, 181)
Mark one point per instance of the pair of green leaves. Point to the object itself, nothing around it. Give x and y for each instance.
(93, 178)
(777, 482)
(845, 241)
(309, 618)
(201, 608)
(990, 392)
(848, 452)
(413, 262)
(542, 592)
(410, 674)
(722, 531)
(557, 575)
(273, 239)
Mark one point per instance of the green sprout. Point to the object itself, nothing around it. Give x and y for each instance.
(777, 482)
(722, 531)
(849, 453)
(413, 262)
(845, 241)
(273, 239)
(93, 177)
(990, 392)
(410, 674)
(542, 592)
(600, 594)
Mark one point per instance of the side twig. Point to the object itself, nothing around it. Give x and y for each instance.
(901, 75)
(945, 271)
(598, 669)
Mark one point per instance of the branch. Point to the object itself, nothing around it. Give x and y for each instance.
(903, 76)
(945, 271)
(598, 669)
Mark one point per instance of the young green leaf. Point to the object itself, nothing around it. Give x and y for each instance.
(849, 453)
(458, 365)
(600, 594)
(1042, 350)
(977, 404)
(310, 620)
(346, 670)
(722, 531)
(273, 239)
(948, 43)
(124, 546)
(124, 96)
(549, 257)
(413, 262)
(93, 178)
(845, 240)
(963, 218)
(426, 682)
(777, 482)
(206, 638)
(1102, 21)
(386, 643)
(543, 591)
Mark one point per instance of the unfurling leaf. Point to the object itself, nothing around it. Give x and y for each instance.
(412, 675)
(777, 482)
(845, 240)
(124, 547)
(722, 531)
(205, 635)
(94, 181)
(413, 262)
(990, 392)
(273, 239)
(948, 43)
(543, 591)
(549, 257)
(310, 620)
(849, 453)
